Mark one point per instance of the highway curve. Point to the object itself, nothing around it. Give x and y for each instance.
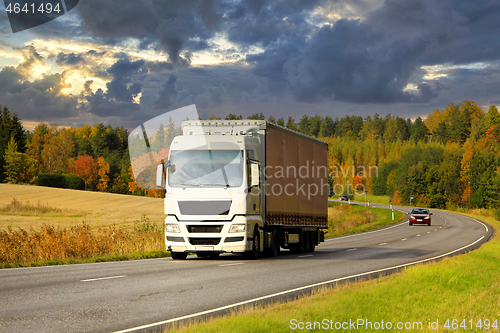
(132, 296)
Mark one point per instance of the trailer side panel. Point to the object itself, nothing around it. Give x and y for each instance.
(296, 179)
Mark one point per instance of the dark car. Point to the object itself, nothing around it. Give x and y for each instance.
(344, 198)
(420, 215)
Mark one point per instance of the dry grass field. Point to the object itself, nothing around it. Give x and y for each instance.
(42, 225)
(66, 208)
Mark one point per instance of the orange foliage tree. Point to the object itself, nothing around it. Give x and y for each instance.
(87, 168)
(103, 171)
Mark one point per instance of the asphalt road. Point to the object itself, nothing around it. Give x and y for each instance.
(135, 295)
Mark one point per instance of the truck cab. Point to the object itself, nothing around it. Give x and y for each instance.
(213, 184)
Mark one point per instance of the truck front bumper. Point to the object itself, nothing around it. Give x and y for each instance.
(213, 236)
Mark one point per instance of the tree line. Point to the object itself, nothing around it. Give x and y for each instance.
(449, 158)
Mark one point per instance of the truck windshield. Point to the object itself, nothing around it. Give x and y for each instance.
(206, 168)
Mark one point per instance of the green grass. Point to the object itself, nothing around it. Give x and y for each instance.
(344, 219)
(464, 287)
(376, 199)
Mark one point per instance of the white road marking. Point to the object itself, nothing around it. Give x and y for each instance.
(237, 263)
(403, 239)
(382, 243)
(484, 225)
(307, 255)
(368, 232)
(290, 291)
(354, 249)
(104, 278)
(418, 235)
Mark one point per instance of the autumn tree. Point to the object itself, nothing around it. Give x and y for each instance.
(57, 151)
(369, 131)
(257, 116)
(392, 132)
(492, 118)
(291, 124)
(420, 132)
(233, 117)
(10, 127)
(35, 146)
(87, 168)
(19, 167)
(464, 173)
(103, 172)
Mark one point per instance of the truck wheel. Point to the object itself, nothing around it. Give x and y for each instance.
(179, 255)
(254, 253)
(301, 247)
(275, 249)
(304, 242)
(307, 241)
(312, 241)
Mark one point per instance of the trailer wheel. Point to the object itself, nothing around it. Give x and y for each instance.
(309, 242)
(275, 249)
(304, 242)
(312, 238)
(179, 255)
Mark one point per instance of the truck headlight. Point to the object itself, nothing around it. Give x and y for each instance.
(238, 228)
(172, 228)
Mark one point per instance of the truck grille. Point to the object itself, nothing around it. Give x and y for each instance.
(175, 239)
(204, 241)
(234, 239)
(212, 207)
(204, 228)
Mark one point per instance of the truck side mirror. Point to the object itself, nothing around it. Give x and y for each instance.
(255, 180)
(160, 175)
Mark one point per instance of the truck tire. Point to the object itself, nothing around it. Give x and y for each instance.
(304, 241)
(314, 237)
(275, 249)
(254, 253)
(179, 255)
(301, 246)
(310, 240)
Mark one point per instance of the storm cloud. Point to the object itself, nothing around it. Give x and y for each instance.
(162, 25)
(135, 59)
(121, 90)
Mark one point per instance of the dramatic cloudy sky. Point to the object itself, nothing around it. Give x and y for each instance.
(121, 62)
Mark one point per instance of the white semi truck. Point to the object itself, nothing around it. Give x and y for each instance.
(243, 186)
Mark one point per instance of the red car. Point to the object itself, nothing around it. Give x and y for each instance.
(420, 215)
